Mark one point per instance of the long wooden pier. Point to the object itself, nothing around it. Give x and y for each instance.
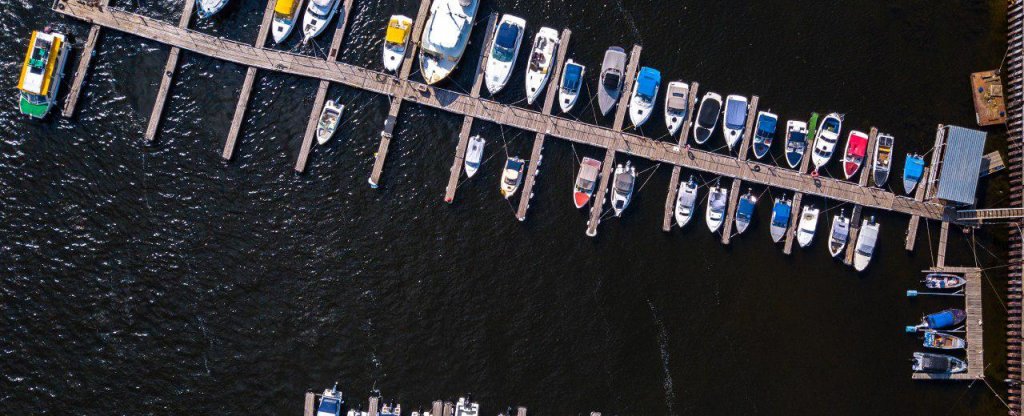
(734, 194)
(673, 183)
(168, 74)
(250, 78)
(798, 198)
(975, 354)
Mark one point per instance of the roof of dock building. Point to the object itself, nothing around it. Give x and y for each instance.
(961, 165)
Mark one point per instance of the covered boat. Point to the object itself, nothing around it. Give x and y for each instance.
(941, 341)
(764, 132)
(735, 117)
(512, 176)
(856, 148)
(825, 139)
(808, 224)
(645, 90)
(610, 88)
(839, 234)
(318, 13)
(686, 200)
(330, 116)
(286, 12)
(330, 403)
(938, 363)
(586, 180)
(946, 319)
(780, 218)
(466, 407)
(943, 281)
(883, 159)
(745, 211)
(622, 191)
(572, 81)
(504, 49)
(913, 170)
(445, 37)
(41, 73)
(866, 240)
(715, 212)
(474, 154)
(677, 102)
(396, 40)
(542, 61)
(796, 142)
(207, 8)
(707, 117)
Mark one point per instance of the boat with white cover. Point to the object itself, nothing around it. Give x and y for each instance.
(677, 100)
(586, 181)
(330, 116)
(734, 117)
(396, 41)
(865, 244)
(445, 37)
(504, 50)
(622, 191)
(839, 234)
(318, 13)
(572, 81)
(707, 117)
(474, 154)
(542, 61)
(641, 99)
(286, 12)
(610, 88)
(686, 201)
(715, 212)
(808, 224)
(825, 139)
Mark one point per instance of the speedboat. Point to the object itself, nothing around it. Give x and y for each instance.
(286, 13)
(396, 40)
(839, 234)
(941, 341)
(825, 139)
(330, 116)
(504, 50)
(745, 211)
(943, 281)
(856, 148)
(796, 142)
(330, 402)
(677, 100)
(686, 201)
(207, 8)
(764, 132)
(865, 244)
(572, 81)
(610, 87)
(586, 179)
(707, 117)
(318, 13)
(445, 37)
(466, 407)
(715, 212)
(622, 192)
(645, 90)
(41, 73)
(734, 118)
(780, 218)
(883, 159)
(808, 223)
(512, 176)
(542, 60)
(946, 319)
(937, 363)
(474, 154)
(913, 170)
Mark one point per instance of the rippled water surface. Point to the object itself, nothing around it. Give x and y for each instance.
(159, 279)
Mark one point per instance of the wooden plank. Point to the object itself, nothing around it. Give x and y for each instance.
(247, 84)
(374, 406)
(940, 256)
(309, 409)
(940, 141)
(168, 76)
(787, 248)
(83, 67)
(437, 408)
(673, 183)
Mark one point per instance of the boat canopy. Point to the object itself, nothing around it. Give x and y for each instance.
(943, 319)
(572, 77)
(677, 98)
(766, 125)
(782, 212)
(737, 114)
(842, 230)
(746, 209)
(914, 168)
(40, 62)
(397, 32)
(446, 25)
(936, 363)
(688, 198)
(286, 7)
(717, 201)
(589, 169)
(624, 182)
(708, 113)
(329, 405)
(858, 145)
(647, 82)
(507, 35)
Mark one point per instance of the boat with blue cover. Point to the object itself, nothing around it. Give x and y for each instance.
(913, 170)
(780, 218)
(504, 50)
(940, 320)
(764, 132)
(796, 142)
(734, 117)
(572, 81)
(330, 402)
(645, 90)
(745, 211)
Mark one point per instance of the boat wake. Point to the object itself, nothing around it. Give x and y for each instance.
(670, 396)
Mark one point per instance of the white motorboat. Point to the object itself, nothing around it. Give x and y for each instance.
(318, 13)
(286, 12)
(707, 117)
(610, 87)
(839, 234)
(474, 154)
(622, 191)
(396, 40)
(542, 61)
(445, 37)
(866, 240)
(745, 211)
(825, 139)
(715, 212)
(735, 119)
(572, 81)
(466, 407)
(677, 102)
(645, 90)
(512, 176)
(808, 224)
(330, 116)
(209, 8)
(586, 181)
(686, 201)
(504, 50)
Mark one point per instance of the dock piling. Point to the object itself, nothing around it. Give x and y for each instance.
(851, 245)
(83, 66)
(309, 408)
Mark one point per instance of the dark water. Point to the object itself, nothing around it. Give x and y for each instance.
(161, 280)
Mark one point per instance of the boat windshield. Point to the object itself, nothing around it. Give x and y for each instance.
(505, 42)
(612, 78)
(585, 184)
(709, 113)
(320, 8)
(737, 114)
(797, 137)
(624, 184)
(34, 99)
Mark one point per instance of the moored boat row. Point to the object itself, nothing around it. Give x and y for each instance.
(937, 328)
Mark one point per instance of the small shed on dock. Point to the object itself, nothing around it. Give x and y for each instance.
(961, 165)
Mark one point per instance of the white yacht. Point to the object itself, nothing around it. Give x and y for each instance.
(825, 139)
(445, 36)
(318, 13)
(734, 118)
(622, 191)
(865, 244)
(474, 153)
(396, 40)
(286, 12)
(686, 201)
(542, 60)
(207, 8)
(808, 223)
(503, 51)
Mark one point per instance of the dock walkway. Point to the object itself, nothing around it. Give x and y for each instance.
(975, 336)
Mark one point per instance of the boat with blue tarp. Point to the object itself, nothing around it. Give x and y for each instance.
(641, 101)
(940, 320)
(913, 170)
(745, 211)
(780, 218)
(764, 132)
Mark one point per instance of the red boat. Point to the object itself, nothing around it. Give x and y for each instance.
(585, 181)
(856, 148)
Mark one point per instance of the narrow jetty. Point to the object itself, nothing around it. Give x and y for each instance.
(734, 194)
(924, 192)
(855, 219)
(250, 78)
(975, 353)
(168, 75)
(83, 65)
(673, 184)
(798, 197)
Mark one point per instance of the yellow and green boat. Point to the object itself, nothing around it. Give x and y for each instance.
(41, 73)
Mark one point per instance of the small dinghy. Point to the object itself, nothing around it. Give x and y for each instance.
(707, 117)
(943, 281)
(285, 14)
(610, 88)
(825, 139)
(808, 223)
(328, 123)
(645, 90)
(946, 319)
(396, 39)
(474, 154)
(622, 192)
(716, 207)
(542, 60)
(686, 201)
(677, 100)
(883, 159)
(764, 132)
(937, 363)
(745, 211)
(780, 218)
(512, 176)
(330, 403)
(585, 181)
(839, 234)
(735, 117)
(796, 142)
(856, 148)
(208, 8)
(318, 13)
(504, 50)
(913, 170)
(941, 341)
(865, 244)
(572, 81)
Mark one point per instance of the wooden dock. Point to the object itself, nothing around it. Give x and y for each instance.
(609, 157)
(673, 183)
(798, 198)
(250, 78)
(536, 156)
(373, 407)
(309, 407)
(168, 74)
(734, 194)
(915, 220)
(924, 187)
(83, 66)
(975, 354)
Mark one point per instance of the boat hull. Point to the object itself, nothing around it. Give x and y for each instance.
(684, 210)
(537, 78)
(580, 198)
(474, 154)
(207, 8)
(498, 72)
(312, 25)
(707, 117)
(807, 226)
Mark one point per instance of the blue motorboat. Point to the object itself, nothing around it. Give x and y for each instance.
(913, 170)
(780, 217)
(940, 320)
(764, 132)
(330, 402)
(796, 142)
(641, 102)
(745, 211)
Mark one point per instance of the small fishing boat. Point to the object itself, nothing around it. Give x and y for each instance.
(286, 13)
(504, 50)
(207, 8)
(542, 60)
(686, 201)
(474, 154)
(645, 90)
(808, 224)
(391, 410)
(937, 363)
(943, 281)
(941, 341)
(856, 148)
(330, 402)
(913, 170)
(745, 211)
(946, 319)
(318, 13)
(764, 132)
(41, 73)
(825, 139)
(512, 176)
(882, 159)
(780, 218)
(839, 234)
(735, 117)
(466, 407)
(396, 40)
(572, 81)
(610, 88)
(445, 37)
(796, 142)
(715, 212)
(677, 100)
(866, 240)
(586, 179)
(707, 117)
(330, 116)
(622, 191)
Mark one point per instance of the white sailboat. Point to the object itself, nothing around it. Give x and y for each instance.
(474, 154)
(808, 223)
(318, 13)
(686, 201)
(445, 37)
(542, 60)
(504, 50)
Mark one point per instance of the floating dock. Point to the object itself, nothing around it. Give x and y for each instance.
(975, 353)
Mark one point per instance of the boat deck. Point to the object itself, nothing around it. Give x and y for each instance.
(975, 354)
(987, 90)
